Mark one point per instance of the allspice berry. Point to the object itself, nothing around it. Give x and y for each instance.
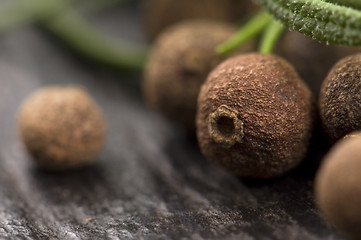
(255, 116)
(340, 98)
(338, 186)
(178, 65)
(61, 127)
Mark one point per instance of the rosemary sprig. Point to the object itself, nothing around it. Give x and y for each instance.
(251, 29)
(270, 37)
(83, 38)
(324, 21)
(18, 13)
(58, 17)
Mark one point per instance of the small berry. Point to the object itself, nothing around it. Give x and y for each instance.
(61, 127)
(338, 186)
(178, 65)
(340, 98)
(255, 116)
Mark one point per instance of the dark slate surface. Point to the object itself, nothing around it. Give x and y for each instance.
(150, 182)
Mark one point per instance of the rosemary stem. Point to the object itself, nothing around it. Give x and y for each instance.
(251, 29)
(18, 13)
(270, 37)
(324, 21)
(58, 17)
(83, 38)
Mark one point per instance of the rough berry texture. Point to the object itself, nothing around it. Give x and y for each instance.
(61, 127)
(178, 65)
(338, 186)
(264, 116)
(340, 98)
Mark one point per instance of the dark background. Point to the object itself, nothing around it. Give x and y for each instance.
(150, 182)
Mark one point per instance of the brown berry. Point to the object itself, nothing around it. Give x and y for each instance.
(340, 98)
(255, 116)
(338, 186)
(61, 127)
(178, 65)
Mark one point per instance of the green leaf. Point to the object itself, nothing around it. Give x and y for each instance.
(251, 29)
(318, 19)
(270, 37)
